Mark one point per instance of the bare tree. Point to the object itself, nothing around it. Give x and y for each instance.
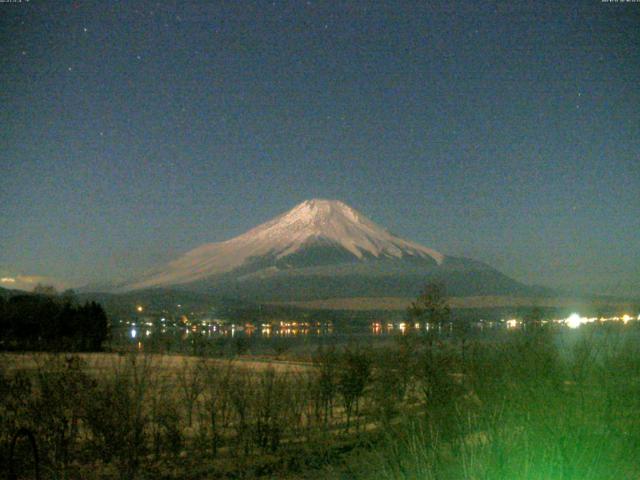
(240, 388)
(216, 405)
(271, 404)
(326, 363)
(354, 375)
(191, 383)
(116, 416)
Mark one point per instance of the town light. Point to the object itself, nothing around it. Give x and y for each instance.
(574, 321)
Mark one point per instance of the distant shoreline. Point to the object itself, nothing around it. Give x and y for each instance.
(493, 301)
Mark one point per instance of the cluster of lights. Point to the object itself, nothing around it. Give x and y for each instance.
(574, 320)
(377, 328)
(191, 324)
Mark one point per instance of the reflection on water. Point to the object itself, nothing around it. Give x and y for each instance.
(137, 332)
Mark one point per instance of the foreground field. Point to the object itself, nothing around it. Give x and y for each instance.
(521, 406)
(103, 363)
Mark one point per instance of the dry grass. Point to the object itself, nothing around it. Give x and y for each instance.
(101, 362)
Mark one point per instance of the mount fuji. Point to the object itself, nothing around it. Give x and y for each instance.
(322, 249)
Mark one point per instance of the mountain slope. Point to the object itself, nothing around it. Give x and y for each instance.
(314, 231)
(322, 249)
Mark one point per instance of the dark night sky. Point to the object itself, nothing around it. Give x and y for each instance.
(508, 132)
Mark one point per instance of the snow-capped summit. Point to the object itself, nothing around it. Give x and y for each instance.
(334, 221)
(312, 227)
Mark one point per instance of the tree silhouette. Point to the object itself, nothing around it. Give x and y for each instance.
(47, 322)
(431, 306)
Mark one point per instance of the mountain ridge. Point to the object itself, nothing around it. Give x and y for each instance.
(321, 249)
(310, 224)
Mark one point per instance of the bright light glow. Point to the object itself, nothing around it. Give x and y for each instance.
(133, 333)
(574, 320)
(512, 323)
(147, 333)
(139, 308)
(7, 280)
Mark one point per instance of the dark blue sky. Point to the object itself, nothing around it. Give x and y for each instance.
(508, 132)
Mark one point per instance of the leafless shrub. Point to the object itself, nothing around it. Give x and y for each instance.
(165, 419)
(325, 387)
(240, 399)
(191, 383)
(116, 417)
(389, 384)
(353, 377)
(271, 402)
(56, 407)
(216, 406)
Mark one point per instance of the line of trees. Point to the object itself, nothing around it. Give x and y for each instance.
(147, 412)
(44, 320)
